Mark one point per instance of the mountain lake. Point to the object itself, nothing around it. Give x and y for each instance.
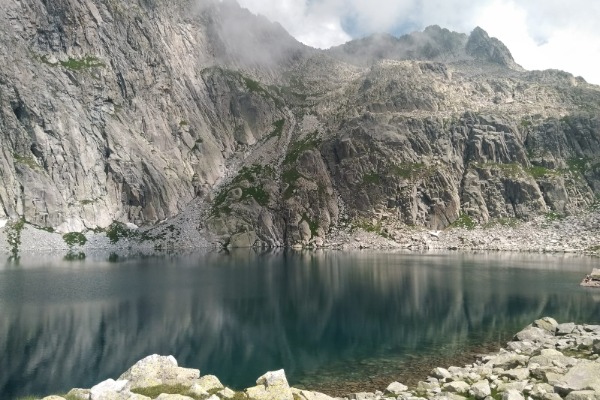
(337, 322)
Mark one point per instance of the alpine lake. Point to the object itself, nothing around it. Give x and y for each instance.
(337, 322)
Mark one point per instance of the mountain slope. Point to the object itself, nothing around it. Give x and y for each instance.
(219, 120)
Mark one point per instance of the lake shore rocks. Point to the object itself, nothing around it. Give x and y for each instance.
(546, 360)
(575, 234)
(593, 279)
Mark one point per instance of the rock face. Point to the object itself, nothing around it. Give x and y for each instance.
(221, 122)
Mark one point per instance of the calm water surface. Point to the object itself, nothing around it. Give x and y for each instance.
(321, 316)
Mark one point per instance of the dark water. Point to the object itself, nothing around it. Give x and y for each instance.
(321, 316)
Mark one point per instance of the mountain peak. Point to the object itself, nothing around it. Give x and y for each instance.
(434, 43)
(482, 47)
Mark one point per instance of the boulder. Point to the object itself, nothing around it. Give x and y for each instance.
(53, 398)
(198, 390)
(480, 390)
(396, 388)
(583, 376)
(522, 347)
(440, 373)
(512, 395)
(432, 387)
(271, 386)
(307, 395)
(226, 393)
(443, 396)
(533, 334)
(583, 395)
(519, 386)
(157, 370)
(551, 357)
(210, 382)
(457, 387)
(111, 390)
(82, 394)
(552, 396)
(363, 396)
(565, 329)
(166, 396)
(519, 374)
(507, 360)
(546, 323)
(540, 389)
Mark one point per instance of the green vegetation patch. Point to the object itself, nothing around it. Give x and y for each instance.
(28, 161)
(74, 256)
(525, 123)
(257, 193)
(48, 229)
(74, 238)
(155, 391)
(117, 231)
(290, 177)
(540, 172)
(250, 84)
(508, 222)
(408, 170)
(554, 216)
(13, 235)
(370, 227)
(313, 224)
(371, 178)
(251, 175)
(78, 64)
(464, 221)
(508, 169)
(578, 164)
(277, 129)
(296, 149)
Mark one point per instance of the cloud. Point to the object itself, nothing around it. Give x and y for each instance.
(562, 39)
(541, 35)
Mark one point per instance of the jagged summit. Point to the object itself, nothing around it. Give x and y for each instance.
(432, 44)
(482, 47)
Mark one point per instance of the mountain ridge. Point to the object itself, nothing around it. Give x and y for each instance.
(140, 112)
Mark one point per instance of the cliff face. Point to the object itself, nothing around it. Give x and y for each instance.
(110, 109)
(142, 111)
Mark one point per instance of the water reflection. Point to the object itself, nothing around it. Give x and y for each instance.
(238, 315)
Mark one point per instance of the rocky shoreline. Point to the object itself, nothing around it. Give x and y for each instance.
(544, 361)
(578, 234)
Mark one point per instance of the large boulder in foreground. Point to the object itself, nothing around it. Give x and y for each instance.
(157, 370)
(271, 386)
(583, 376)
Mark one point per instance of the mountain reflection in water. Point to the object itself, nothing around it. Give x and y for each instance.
(238, 315)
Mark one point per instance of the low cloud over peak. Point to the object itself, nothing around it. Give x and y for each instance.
(540, 35)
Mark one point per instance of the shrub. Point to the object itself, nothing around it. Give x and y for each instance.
(73, 238)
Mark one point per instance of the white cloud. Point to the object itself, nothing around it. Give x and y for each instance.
(558, 41)
(549, 34)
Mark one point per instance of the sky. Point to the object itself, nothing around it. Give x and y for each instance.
(540, 34)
